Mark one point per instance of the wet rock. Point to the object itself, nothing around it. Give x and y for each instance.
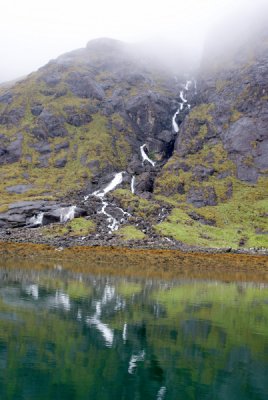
(144, 183)
(149, 112)
(135, 167)
(12, 220)
(54, 216)
(202, 196)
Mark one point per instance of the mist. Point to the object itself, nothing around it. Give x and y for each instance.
(32, 33)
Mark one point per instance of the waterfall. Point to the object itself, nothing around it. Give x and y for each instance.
(182, 97)
(187, 85)
(67, 213)
(145, 157)
(184, 102)
(113, 224)
(37, 220)
(133, 184)
(174, 123)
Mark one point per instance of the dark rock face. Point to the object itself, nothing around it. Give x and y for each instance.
(149, 113)
(61, 162)
(6, 98)
(77, 117)
(202, 196)
(12, 117)
(202, 173)
(144, 182)
(37, 109)
(49, 125)
(10, 151)
(84, 86)
(20, 213)
(247, 143)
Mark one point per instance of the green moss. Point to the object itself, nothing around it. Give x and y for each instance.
(76, 227)
(236, 115)
(202, 112)
(129, 232)
(139, 207)
(238, 220)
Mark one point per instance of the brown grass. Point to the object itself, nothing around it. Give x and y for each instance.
(163, 264)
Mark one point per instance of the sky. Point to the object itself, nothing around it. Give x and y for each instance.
(32, 32)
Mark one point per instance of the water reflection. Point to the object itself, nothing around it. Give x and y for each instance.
(79, 336)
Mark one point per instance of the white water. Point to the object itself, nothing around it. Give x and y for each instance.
(118, 178)
(184, 102)
(37, 220)
(182, 97)
(133, 184)
(145, 157)
(195, 87)
(187, 85)
(174, 123)
(104, 329)
(133, 361)
(124, 334)
(113, 224)
(61, 300)
(32, 290)
(161, 393)
(67, 213)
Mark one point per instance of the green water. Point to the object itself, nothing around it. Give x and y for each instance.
(70, 336)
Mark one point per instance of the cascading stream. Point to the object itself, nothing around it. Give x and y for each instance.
(113, 223)
(133, 184)
(183, 103)
(145, 157)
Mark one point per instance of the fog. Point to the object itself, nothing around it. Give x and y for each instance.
(33, 32)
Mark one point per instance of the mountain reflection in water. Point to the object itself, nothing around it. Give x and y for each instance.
(73, 336)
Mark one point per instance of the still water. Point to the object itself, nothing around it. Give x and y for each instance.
(67, 335)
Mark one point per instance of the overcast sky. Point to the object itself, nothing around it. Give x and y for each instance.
(34, 31)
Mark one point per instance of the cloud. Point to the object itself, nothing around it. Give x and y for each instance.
(33, 32)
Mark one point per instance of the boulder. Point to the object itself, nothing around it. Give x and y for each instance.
(12, 117)
(49, 125)
(82, 85)
(10, 151)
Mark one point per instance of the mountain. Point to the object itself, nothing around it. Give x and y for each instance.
(143, 155)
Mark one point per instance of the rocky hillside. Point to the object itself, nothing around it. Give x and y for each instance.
(143, 155)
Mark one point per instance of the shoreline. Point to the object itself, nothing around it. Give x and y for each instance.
(114, 242)
(147, 263)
